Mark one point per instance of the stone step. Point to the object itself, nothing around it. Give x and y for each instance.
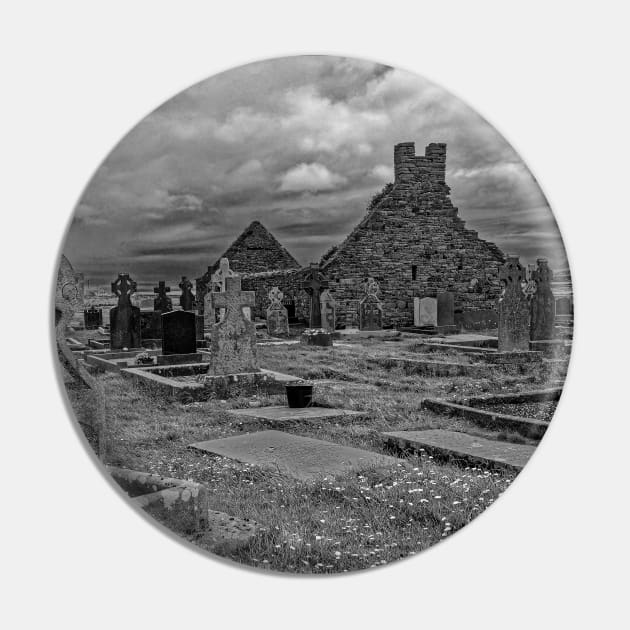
(461, 447)
(303, 458)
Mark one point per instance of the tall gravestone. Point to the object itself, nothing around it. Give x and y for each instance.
(542, 305)
(445, 309)
(513, 307)
(92, 318)
(186, 299)
(328, 310)
(370, 307)
(179, 332)
(314, 285)
(277, 315)
(217, 282)
(564, 306)
(233, 339)
(425, 311)
(124, 319)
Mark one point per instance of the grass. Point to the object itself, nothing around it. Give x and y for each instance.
(351, 522)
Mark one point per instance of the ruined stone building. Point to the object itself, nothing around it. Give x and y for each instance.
(411, 241)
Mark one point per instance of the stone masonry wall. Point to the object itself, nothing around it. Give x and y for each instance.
(414, 244)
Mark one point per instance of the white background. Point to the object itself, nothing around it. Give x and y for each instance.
(552, 77)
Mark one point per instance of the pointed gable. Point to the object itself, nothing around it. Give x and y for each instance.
(257, 250)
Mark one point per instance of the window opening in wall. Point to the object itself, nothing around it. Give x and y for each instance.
(414, 272)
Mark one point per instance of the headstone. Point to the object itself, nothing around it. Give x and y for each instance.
(564, 306)
(92, 318)
(328, 307)
(370, 307)
(303, 458)
(445, 309)
(277, 316)
(513, 307)
(542, 305)
(179, 334)
(124, 319)
(186, 299)
(425, 311)
(233, 345)
(68, 295)
(162, 303)
(314, 285)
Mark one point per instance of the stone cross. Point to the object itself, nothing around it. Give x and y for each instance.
(124, 319)
(277, 314)
(219, 276)
(542, 304)
(513, 307)
(186, 299)
(233, 339)
(314, 286)
(162, 302)
(329, 310)
(123, 287)
(370, 307)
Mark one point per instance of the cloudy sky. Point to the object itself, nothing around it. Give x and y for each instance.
(300, 144)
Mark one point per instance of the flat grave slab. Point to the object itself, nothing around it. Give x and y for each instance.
(467, 339)
(303, 458)
(455, 445)
(277, 416)
(276, 342)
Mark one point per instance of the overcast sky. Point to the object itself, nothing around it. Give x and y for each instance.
(300, 144)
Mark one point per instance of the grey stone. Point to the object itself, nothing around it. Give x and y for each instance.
(513, 307)
(314, 285)
(328, 307)
(425, 311)
(233, 339)
(124, 319)
(445, 309)
(304, 458)
(461, 446)
(542, 306)
(277, 416)
(370, 307)
(186, 299)
(277, 315)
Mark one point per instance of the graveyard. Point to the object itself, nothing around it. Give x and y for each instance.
(299, 420)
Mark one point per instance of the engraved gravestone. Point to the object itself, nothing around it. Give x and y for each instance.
(124, 319)
(186, 299)
(513, 307)
(445, 309)
(179, 333)
(233, 345)
(313, 286)
(328, 309)
(370, 307)
(217, 281)
(542, 305)
(277, 316)
(92, 318)
(425, 311)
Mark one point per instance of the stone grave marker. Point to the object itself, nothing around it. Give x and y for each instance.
(314, 285)
(303, 458)
(425, 311)
(454, 445)
(233, 339)
(92, 318)
(328, 306)
(186, 299)
(513, 307)
(124, 319)
(277, 315)
(564, 306)
(179, 334)
(217, 281)
(370, 307)
(542, 305)
(162, 302)
(445, 309)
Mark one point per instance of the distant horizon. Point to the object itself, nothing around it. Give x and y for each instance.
(300, 144)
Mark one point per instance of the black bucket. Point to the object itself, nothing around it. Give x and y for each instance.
(299, 395)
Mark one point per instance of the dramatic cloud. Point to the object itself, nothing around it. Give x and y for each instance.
(301, 144)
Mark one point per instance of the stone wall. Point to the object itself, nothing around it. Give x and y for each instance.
(287, 280)
(414, 244)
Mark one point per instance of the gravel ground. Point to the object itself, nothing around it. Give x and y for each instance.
(537, 410)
